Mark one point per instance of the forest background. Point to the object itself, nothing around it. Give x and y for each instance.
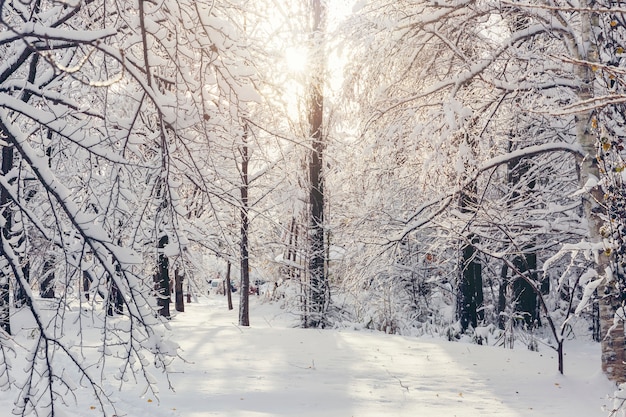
(416, 167)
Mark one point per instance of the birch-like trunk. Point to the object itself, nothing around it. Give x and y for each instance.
(612, 331)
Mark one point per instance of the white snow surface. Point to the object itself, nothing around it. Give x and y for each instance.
(275, 369)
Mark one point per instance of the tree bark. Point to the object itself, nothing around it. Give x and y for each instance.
(524, 296)
(114, 301)
(502, 297)
(612, 331)
(115, 298)
(21, 299)
(244, 290)
(178, 289)
(471, 287)
(5, 200)
(470, 294)
(162, 280)
(85, 284)
(317, 290)
(227, 291)
(292, 249)
(7, 164)
(46, 286)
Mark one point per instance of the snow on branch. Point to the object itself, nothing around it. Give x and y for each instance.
(475, 69)
(591, 104)
(416, 221)
(39, 31)
(564, 8)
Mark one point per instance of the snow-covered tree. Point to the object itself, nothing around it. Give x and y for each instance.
(108, 115)
(463, 93)
(317, 293)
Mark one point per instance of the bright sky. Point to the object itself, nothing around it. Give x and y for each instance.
(297, 58)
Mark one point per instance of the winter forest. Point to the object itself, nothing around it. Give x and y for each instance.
(450, 169)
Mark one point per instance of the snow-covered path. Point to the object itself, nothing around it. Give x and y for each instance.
(272, 369)
(269, 370)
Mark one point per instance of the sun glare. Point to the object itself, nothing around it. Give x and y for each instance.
(297, 59)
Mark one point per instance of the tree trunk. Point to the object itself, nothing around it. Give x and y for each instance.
(470, 294)
(5, 231)
(5, 314)
(178, 290)
(244, 290)
(471, 287)
(20, 297)
(612, 332)
(46, 286)
(596, 332)
(228, 292)
(502, 296)
(292, 249)
(86, 284)
(524, 296)
(523, 293)
(115, 298)
(162, 280)
(612, 341)
(5, 202)
(318, 287)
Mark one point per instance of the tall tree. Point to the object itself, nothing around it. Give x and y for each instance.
(599, 129)
(318, 290)
(162, 279)
(244, 250)
(446, 71)
(470, 308)
(5, 204)
(115, 149)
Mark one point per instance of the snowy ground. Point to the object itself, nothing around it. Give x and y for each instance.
(271, 369)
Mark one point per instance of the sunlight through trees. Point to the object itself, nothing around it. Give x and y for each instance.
(453, 169)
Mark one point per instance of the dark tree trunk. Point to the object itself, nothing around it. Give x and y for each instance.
(178, 290)
(162, 280)
(21, 299)
(227, 291)
(471, 288)
(523, 293)
(86, 284)
(87, 281)
(46, 286)
(115, 298)
(5, 314)
(470, 295)
(597, 336)
(20, 296)
(5, 202)
(244, 290)
(318, 287)
(5, 231)
(292, 248)
(502, 297)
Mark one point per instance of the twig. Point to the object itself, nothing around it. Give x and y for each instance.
(399, 380)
